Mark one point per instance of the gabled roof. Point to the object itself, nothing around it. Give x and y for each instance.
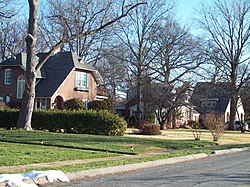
(80, 64)
(54, 71)
(57, 68)
(20, 60)
(205, 91)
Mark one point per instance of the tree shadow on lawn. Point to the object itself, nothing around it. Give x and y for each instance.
(111, 144)
(69, 147)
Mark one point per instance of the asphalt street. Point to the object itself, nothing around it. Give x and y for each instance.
(217, 171)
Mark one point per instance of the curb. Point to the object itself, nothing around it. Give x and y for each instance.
(230, 151)
(132, 167)
(150, 164)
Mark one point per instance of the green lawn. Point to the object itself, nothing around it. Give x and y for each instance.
(20, 147)
(12, 154)
(112, 144)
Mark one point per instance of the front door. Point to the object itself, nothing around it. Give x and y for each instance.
(59, 103)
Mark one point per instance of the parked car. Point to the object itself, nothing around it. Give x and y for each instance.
(239, 125)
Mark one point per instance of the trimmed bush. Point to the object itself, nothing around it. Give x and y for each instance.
(75, 104)
(106, 104)
(71, 121)
(15, 104)
(98, 105)
(8, 118)
(149, 129)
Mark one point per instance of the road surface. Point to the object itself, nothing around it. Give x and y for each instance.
(217, 171)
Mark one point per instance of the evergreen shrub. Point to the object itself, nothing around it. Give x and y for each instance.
(75, 104)
(98, 105)
(8, 118)
(99, 122)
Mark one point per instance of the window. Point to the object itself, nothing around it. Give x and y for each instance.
(81, 80)
(1, 99)
(7, 76)
(7, 99)
(20, 86)
(42, 103)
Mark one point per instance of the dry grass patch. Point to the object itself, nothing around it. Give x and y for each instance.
(229, 137)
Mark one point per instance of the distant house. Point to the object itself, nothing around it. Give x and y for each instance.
(64, 76)
(187, 113)
(185, 109)
(209, 97)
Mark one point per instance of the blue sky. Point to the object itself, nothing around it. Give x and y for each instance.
(186, 9)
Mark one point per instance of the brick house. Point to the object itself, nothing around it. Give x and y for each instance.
(64, 76)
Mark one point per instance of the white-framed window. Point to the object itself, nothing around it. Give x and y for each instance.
(42, 103)
(81, 80)
(20, 86)
(7, 76)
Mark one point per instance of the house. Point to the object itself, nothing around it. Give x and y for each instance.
(182, 107)
(210, 97)
(64, 76)
(130, 108)
(187, 113)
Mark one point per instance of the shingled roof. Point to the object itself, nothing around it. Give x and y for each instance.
(220, 92)
(54, 71)
(57, 68)
(20, 60)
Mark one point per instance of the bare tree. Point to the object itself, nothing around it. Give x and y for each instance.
(12, 38)
(216, 125)
(12, 31)
(69, 17)
(228, 26)
(34, 64)
(113, 69)
(176, 51)
(135, 33)
(7, 10)
(164, 99)
(178, 55)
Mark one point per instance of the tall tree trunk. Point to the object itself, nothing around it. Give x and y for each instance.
(25, 115)
(113, 96)
(233, 106)
(24, 120)
(138, 99)
(234, 94)
(161, 118)
(162, 125)
(173, 118)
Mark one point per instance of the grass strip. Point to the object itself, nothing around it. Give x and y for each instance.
(124, 161)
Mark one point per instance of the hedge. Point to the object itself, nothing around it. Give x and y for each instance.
(75, 104)
(99, 122)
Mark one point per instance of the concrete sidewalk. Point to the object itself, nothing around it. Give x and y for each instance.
(7, 169)
(116, 169)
